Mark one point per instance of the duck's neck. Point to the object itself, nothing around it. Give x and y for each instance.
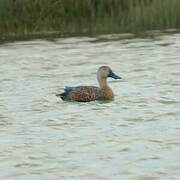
(103, 83)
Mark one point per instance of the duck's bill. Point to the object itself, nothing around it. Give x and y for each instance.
(113, 75)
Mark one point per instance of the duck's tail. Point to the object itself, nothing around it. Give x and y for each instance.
(64, 95)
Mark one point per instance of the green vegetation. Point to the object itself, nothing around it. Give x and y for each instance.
(27, 17)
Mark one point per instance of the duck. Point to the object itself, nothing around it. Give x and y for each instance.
(91, 93)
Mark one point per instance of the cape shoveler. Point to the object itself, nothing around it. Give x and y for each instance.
(91, 93)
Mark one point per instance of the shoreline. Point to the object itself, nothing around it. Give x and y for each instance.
(55, 35)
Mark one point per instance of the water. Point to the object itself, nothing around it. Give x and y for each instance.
(136, 136)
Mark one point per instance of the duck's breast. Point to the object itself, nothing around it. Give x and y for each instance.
(107, 94)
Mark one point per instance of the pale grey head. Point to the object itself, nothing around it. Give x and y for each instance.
(103, 73)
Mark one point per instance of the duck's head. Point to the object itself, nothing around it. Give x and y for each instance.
(105, 72)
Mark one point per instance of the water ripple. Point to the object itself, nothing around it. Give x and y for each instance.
(133, 137)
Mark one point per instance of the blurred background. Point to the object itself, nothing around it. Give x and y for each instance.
(78, 17)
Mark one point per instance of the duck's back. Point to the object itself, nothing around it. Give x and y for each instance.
(82, 93)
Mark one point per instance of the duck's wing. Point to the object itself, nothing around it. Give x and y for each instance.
(81, 93)
(66, 92)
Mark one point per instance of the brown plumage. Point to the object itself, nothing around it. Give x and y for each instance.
(91, 93)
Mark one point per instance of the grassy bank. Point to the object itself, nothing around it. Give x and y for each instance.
(26, 17)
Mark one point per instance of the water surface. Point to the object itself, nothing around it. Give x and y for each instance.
(136, 136)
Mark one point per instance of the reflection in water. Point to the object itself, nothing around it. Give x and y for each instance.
(136, 136)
